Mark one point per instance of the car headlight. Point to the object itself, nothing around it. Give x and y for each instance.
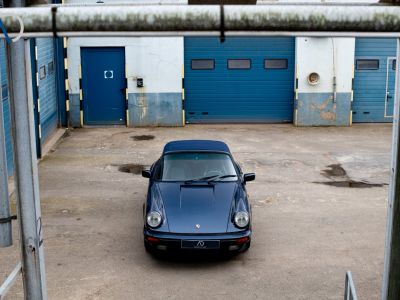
(154, 219)
(242, 219)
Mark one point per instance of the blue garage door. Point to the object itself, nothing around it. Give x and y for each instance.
(47, 87)
(240, 80)
(374, 80)
(6, 107)
(103, 86)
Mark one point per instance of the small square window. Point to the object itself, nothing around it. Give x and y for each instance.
(202, 64)
(42, 72)
(240, 64)
(50, 67)
(275, 63)
(367, 64)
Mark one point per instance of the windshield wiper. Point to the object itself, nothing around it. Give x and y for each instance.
(207, 178)
(219, 177)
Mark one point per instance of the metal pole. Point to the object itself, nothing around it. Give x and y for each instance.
(203, 19)
(5, 217)
(391, 274)
(26, 172)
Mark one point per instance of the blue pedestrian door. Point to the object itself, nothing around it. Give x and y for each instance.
(103, 86)
(248, 79)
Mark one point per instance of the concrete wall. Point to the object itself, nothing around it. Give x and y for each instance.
(159, 61)
(317, 104)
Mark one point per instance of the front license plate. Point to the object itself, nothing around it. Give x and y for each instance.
(200, 244)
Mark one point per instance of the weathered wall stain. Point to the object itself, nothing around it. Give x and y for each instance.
(321, 109)
(155, 109)
(328, 115)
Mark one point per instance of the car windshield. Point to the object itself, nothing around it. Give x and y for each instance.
(194, 166)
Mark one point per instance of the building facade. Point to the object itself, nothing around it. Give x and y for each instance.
(44, 90)
(173, 81)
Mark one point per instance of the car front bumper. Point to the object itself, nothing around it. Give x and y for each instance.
(227, 242)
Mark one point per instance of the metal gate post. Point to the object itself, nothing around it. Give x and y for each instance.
(26, 173)
(5, 220)
(391, 274)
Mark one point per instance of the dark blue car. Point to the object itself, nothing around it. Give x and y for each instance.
(197, 199)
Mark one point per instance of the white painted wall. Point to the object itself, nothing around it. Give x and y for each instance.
(159, 61)
(318, 55)
(84, 2)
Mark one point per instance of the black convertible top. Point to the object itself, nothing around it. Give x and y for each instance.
(196, 145)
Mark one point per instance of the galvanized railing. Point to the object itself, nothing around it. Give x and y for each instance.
(8, 283)
(349, 288)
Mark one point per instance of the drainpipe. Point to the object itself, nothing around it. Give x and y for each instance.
(334, 70)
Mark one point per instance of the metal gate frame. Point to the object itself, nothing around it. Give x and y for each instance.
(158, 20)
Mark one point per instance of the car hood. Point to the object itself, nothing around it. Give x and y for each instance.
(206, 205)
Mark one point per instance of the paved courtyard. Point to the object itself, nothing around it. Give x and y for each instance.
(319, 209)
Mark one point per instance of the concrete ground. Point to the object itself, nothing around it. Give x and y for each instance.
(319, 209)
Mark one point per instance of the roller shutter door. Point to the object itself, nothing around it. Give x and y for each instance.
(47, 87)
(240, 80)
(374, 80)
(6, 107)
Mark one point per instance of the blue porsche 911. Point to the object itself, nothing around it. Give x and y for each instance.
(197, 199)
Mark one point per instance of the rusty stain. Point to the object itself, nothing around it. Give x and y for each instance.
(322, 106)
(328, 115)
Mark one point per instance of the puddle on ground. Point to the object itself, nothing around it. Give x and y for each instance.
(335, 170)
(131, 168)
(144, 137)
(343, 180)
(351, 184)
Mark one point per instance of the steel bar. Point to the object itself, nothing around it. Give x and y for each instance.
(26, 173)
(349, 288)
(203, 19)
(208, 34)
(8, 283)
(391, 273)
(5, 227)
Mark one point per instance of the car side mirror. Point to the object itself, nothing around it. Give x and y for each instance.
(249, 177)
(146, 173)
